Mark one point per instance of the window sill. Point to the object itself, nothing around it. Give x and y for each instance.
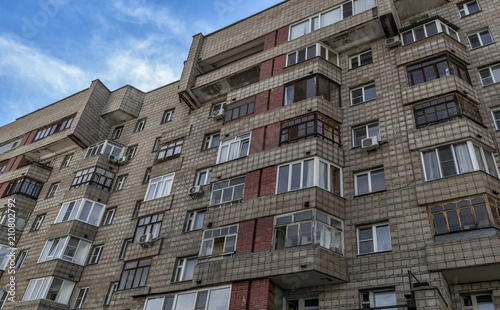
(361, 103)
(350, 69)
(228, 161)
(476, 48)
(372, 253)
(371, 193)
(465, 16)
(468, 234)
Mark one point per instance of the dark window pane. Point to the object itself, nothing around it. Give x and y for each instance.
(453, 222)
(440, 223)
(362, 184)
(300, 91)
(378, 181)
(467, 219)
(311, 87)
(481, 216)
(417, 77)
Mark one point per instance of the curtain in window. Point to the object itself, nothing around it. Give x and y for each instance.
(463, 158)
(431, 165)
(330, 17)
(383, 238)
(299, 30)
(363, 5)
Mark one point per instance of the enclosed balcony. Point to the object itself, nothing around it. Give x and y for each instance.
(409, 8)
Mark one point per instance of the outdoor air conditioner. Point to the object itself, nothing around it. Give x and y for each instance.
(218, 114)
(369, 143)
(393, 41)
(146, 239)
(195, 190)
(122, 159)
(112, 157)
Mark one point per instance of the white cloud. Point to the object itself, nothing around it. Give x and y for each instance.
(32, 66)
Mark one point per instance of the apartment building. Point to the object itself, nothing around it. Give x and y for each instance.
(316, 155)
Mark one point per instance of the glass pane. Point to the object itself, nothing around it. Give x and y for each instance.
(440, 223)
(419, 33)
(289, 91)
(330, 17)
(305, 233)
(299, 30)
(185, 301)
(300, 91)
(292, 238)
(481, 216)
(85, 211)
(474, 41)
(292, 59)
(384, 299)
(311, 88)
(446, 160)
(453, 222)
(467, 219)
(370, 93)
(359, 134)
(362, 184)
(296, 176)
(486, 37)
(373, 131)
(431, 29)
(377, 180)
(323, 175)
(219, 299)
(383, 238)
(283, 179)
(366, 58)
(308, 174)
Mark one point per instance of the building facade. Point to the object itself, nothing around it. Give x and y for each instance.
(316, 155)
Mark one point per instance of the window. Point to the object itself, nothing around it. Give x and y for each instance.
(313, 124)
(81, 293)
(167, 116)
(95, 255)
(21, 258)
(195, 220)
(137, 209)
(465, 214)
(135, 274)
(374, 238)
(71, 249)
(209, 299)
(159, 187)
(113, 287)
(239, 109)
(107, 148)
(424, 31)
(5, 251)
(50, 288)
(369, 182)
(25, 187)
(148, 225)
(147, 176)
(117, 132)
(490, 75)
(131, 152)
(108, 218)
(3, 166)
(363, 94)
(219, 241)
(211, 141)
(468, 8)
(449, 160)
(94, 176)
(234, 148)
(170, 150)
(3, 298)
(227, 191)
(365, 131)
(20, 218)
(67, 160)
(444, 108)
(436, 68)
(478, 302)
(140, 125)
(120, 183)
(83, 210)
(371, 299)
(359, 60)
(156, 145)
(318, 49)
(185, 269)
(10, 145)
(203, 177)
(496, 118)
(308, 173)
(61, 125)
(123, 251)
(53, 190)
(303, 304)
(312, 86)
(308, 227)
(37, 223)
(480, 39)
(330, 17)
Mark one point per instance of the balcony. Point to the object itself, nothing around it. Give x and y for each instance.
(409, 8)
(123, 105)
(74, 228)
(293, 268)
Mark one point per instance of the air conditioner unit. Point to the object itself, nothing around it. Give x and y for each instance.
(146, 239)
(393, 41)
(370, 143)
(112, 157)
(218, 114)
(122, 160)
(195, 190)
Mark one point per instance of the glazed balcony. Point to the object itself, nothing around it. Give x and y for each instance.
(293, 268)
(40, 304)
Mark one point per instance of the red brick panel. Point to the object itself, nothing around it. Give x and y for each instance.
(263, 234)
(279, 64)
(273, 133)
(14, 163)
(244, 245)
(257, 141)
(28, 138)
(282, 36)
(3, 188)
(261, 102)
(239, 296)
(276, 98)
(252, 185)
(270, 40)
(261, 295)
(268, 181)
(266, 69)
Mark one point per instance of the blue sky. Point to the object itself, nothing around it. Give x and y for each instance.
(50, 49)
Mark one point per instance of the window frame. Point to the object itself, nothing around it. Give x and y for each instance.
(290, 94)
(168, 115)
(121, 181)
(192, 219)
(496, 120)
(206, 252)
(491, 71)
(25, 187)
(318, 48)
(21, 218)
(370, 186)
(181, 268)
(3, 166)
(102, 147)
(146, 225)
(147, 175)
(196, 297)
(464, 7)
(203, 177)
(434, 63)
(321, 125)
(126, 272)
(160, 190)
(123, 250)
(137, 209)
(109, 215)
(44, 289)
(473, 299)
(131, 152)
(66, 160)
(374, 238)
(300, 303)
(80, 295)
(56, 248)
(76, 210)
(37, 223)
(371, 297)
(209, 139)
(239, 141)
(21, 258)
(117, 133)
(54, 128)
(233, 190)
(441, 27)
(113, 287)
(233, 111)
(358, 59)
(363, 93)
(479, 37)
(175, 146)
(95, 254)
(367, 132)
(156, 145)
(140, 125)
(53, 189)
